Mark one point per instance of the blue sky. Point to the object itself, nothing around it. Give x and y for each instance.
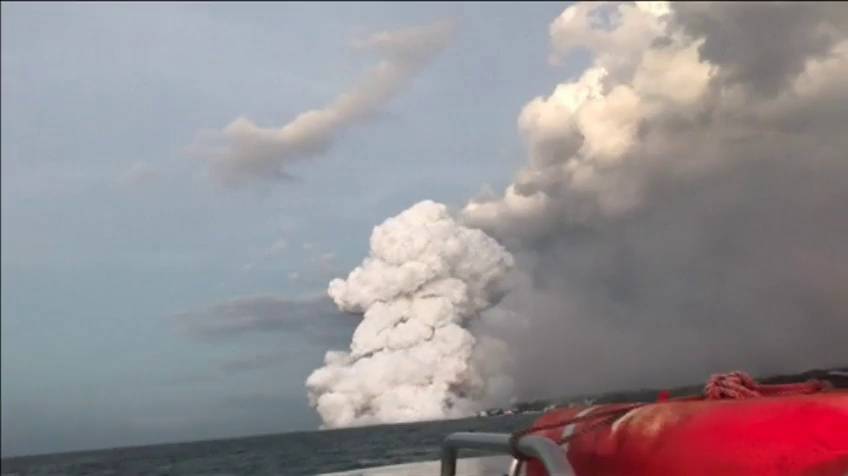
(117, 247)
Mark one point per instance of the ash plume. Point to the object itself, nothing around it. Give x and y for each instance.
(683, 207)
(682, 211)
(244, 151)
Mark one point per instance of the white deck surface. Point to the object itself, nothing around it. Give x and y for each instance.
(484, 466)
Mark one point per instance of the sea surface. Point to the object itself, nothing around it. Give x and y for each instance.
(303, 453)
(317, 452)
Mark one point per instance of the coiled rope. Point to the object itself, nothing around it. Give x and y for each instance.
(739, 385)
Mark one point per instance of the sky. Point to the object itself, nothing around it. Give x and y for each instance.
(143, 299)
(234, 219)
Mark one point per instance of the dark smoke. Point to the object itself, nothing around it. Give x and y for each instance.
(727, 247)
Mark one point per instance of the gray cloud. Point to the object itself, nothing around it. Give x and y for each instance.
(281, 358)
(258, 361)
(763, 46)
(314, 319)
(672, 219)
(741, 269)
(244, 151)
(139, 174)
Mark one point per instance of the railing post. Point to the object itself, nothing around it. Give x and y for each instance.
(531, 446)
(449, 455)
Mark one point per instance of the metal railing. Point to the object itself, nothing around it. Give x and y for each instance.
(542, 449)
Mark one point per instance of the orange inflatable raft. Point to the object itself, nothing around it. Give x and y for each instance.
(738, 427)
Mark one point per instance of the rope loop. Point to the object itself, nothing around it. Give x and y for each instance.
(739, 385)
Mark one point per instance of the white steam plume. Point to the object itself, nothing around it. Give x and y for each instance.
(411, 357)
(244, 151)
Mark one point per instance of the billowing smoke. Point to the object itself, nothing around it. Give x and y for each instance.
(411, 356)
(244, 151)
(683, 210)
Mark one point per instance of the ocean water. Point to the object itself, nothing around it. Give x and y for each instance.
(304, 453)
(316, 452)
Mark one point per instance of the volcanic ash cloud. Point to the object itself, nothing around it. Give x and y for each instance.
(682, 207)
(411, 357)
